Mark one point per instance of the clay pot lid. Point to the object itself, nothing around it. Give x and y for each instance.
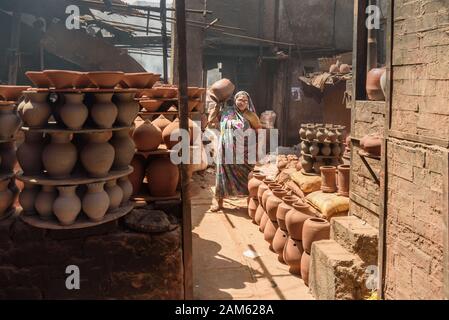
(105, 79)
(151, 105)
(12, 93)
(62, 79)
(138, 80)
(83, 81)
(39, 79)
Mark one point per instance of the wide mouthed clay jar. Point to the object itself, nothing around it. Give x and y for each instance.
(328, 179)
(262, 188)
(29, 153)
(305, 265)
(253, 204)
(172, 134)
(263, 222)
(115, 194)
(124, 149)
(6, 197)
(343, 180)
(95, 202)
(8, 157)
(162, 176)
(279, 242)
(73, 112)
(254, 183)
(270, 231)
(9, 121)
(126, 187)
(283, 208)
(34, 109)
(98, 155)
(292, 255)
(295, 218)
(147, 137)
(44, 202)
(258, 215)
(59, 157)
(67, 205)
(127, 108)
(161, 122)
(314, 229)
(274, 202)
(27, 197)
(136, 177)
(103, 111)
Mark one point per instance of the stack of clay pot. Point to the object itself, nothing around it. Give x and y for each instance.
(9, 125)
(321, 145)
(77, 150)
(335, 179)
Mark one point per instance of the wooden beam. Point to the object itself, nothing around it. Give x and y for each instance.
(359, 59)
(163, 5)
(14, 50)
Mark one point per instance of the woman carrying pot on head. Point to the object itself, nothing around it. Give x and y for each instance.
(233, 166)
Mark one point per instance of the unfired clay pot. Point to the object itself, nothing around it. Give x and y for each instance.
(305, 265)
(115, 194)
(270, 231)
(373, 85)
(9, 121)
(103, 112)
(147, 137)
(29, 153)
(126, 187)
(44, 202)
(95, 203)
(292, 255)
(328, 179)
(283, 208)
(295, 218)
(59, 157)
(6, 197)
(34, 109)
(273, 203)
(127, 108)
(343, 180)
(254, 183)
(73, 112)
(67, 205)
(252, 207)
(98, 155)
(28, 196)
(279, 242)
(136, 177)
(161, 122)
(124, 149)
(8, 158)
(314, 229)
(162, 176)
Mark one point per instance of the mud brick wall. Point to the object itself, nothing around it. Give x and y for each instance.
(367, 117)
(114, 262)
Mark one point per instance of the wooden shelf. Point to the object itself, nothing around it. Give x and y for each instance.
(74, 180)
(53, 127)
(82, 221)
(368, 155)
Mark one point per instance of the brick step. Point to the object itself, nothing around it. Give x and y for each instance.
(357, 237)
(335, 273)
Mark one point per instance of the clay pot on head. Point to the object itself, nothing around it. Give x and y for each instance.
(115, 194)
(95, 203)
(73, 112)
(98, 155)
(103, 112)
(270, 231)
(314, 229)
(305, 265)
(136, 177)
(124, 148)
(34, 109)
(128, 108)
(8, 157)
(147, 137)
(373, 85)
(44, 202)
(254, 183)
(27, 197)
(328, 179)
(295, 218)
(343, 180)
(222, 89)
(252, 207)
(161, 122)
(279, 242)
(59, 157)
(273, 203)
(9, 121)
(163, 177)
(67, 205)
(6, 197)
(126, 187)
(292, 255)
(29, 153)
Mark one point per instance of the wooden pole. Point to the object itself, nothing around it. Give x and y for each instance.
(14, 51)
(163, 5)
(181, 65)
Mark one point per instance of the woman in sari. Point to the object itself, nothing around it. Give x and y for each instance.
(233, 166)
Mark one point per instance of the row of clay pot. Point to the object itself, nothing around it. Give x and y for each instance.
(162, 175)
(8, 195)
(310, 165)
(75, 110)
(288, 224)
(9, 121)
(98, 153)
(322, 132)
(153, 105)
(333, 180)
(286, 161)
(322, 149)
(65, 202)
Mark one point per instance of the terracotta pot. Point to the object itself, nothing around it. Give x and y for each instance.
(136, 177)
(254, 183)
(8, 158)
(373, 86)
(273, 186)
(261, 190)
(334, 69)
(295, 218)
(126, 187)
(162, 176)
(332, 135)
(270, 231)
(292, 255)
(73, 112)
(222, 89)
(317, 166)
(151, 105)
(307, 165)
(44, 202)
(9, 121)
(321, 135)
(343, 180)
(283, 208)
(147, 137)
(67, 205)
(258, 215)
(103, 111)
(95, 203)
(310, 132)
(173, 129)
(115, 194)
(138, 80)
(266, 195)
(273, 203)
(263, 222)
(105, 79)
(98, 155)
(326, 150)
(6, 197)
(314, 149)
(372, 144)
(302, 131)
(82, 82)
(328, 179)
(345, 68)
(12, 93)
(62, 79)
(161, 122)
(27, 197)
(279, 242)
(127, 107)
(59, 157)
(124, 149)
(39, 79)
(35, 110)
(314, 229)
(305, 265)
(253, 204)
(29, 153)
(336, 150)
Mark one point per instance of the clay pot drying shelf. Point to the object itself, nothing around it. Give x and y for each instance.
(74, 180)
(54, 127)
(81, 222)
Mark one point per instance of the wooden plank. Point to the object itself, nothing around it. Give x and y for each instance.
(418, 138)
(359, 58)
(364, 203)
(14, 50)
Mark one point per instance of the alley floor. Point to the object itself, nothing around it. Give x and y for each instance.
(231, 259)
